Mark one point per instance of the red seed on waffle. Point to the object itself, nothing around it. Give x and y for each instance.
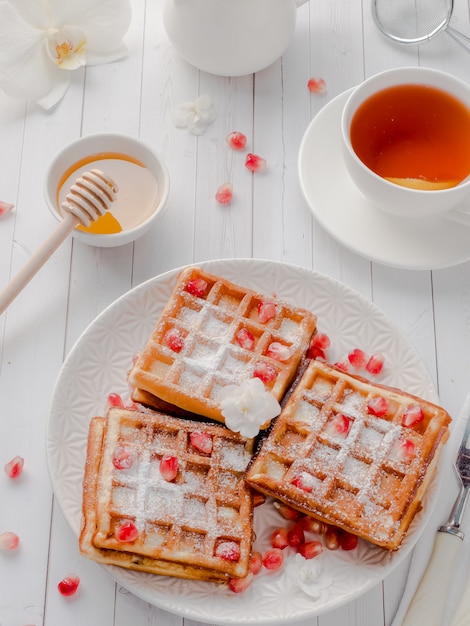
(352, 453)
(213, 333)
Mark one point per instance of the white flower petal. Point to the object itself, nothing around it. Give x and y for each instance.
(18, 41)
(57, 91)
(98, 58)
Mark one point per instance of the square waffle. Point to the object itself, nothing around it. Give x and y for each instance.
(351, 453)
(213, 333)
(199, 525)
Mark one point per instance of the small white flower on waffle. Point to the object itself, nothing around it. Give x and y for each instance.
(247, 406)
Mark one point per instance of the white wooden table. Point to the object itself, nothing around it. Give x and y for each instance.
(269, 218)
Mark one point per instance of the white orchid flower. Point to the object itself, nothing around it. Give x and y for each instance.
(195, 116)
(42, 40)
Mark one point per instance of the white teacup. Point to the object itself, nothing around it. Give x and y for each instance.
(400, 199)
(137, 169)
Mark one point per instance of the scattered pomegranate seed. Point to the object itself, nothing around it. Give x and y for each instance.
(68, 586)
(174, 339)
(258, 499)
(245, 339)
(256, 563)
(196, 287)
(311, 525)
(126, 532)
(5, 207)
(377, 406)
(347, 541)
(316, 85)
(358, 358)
(375, 364)
(413, 415)
(265, 372)
(254, 162)
(273, 559)
(287, 512)
(278, 351)
(169, 468)
(9, 541)
(123, 457)
(14, 467)
(295, 535)
(404, 450)
(201, 441)
(343, 364)
(266, 311)
(339, 425)
(228, 550)
(114, 400)
(310, 549)
(279, 538)
(236, 140)
(318, 346)
(303, 481)
(239, 585)
(224, 193)
(332, 538)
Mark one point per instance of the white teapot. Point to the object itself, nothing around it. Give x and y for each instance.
(230, 37)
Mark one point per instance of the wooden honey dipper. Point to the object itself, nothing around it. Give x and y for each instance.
(89, 197)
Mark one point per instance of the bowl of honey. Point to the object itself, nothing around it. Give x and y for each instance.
(139, 172)
(406, 141)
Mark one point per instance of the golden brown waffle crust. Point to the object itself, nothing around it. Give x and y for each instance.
(213, 482)
(359, 481)
(212, 357)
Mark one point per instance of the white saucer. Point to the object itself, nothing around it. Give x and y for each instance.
(348, 217)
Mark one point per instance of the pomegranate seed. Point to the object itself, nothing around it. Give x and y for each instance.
(287, 512)
(339, 425)
(196, 287)
(316, 85)
(265, 372)
(347, 541)
(239, 585)
(377, 406)
(228, 550)
(316, 353)
(5, 207)
(266, 311)
(413, 415)
(123, 457)
(332, 538)
(245, 339)
(343, 364)
(68, 586)
(310, 549)
(256, 563)
(126, 532)
(358, 358)
(279, 538)
(311, 525)
(273, 559)
(201, 441)
(278, 351)
(224, 193)
(375, 364)
(114, 400)
(174, 339)
(258, 499)
(254, 162)
(169, 468)
(14, 467)
(236, 140)
(318, 346)
(404, 450)
(295, 536)
(9, 541)
(303, 481)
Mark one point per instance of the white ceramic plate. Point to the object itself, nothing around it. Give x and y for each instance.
(342, 210)
(97, 365)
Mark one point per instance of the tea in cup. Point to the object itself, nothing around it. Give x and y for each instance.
(406, 141)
